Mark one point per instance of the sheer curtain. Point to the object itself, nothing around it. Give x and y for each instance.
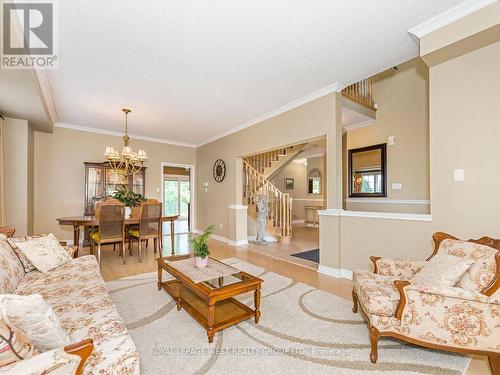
(2, 198)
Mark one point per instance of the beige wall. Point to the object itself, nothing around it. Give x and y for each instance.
(317, 118)
(59, 172)
(18, 168)
(464, 132)
(403, 112)
(464, 135)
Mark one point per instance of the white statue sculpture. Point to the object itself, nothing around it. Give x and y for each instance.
(262, 210)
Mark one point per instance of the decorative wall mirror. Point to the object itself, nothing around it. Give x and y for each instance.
(314, 181)
(367, 171)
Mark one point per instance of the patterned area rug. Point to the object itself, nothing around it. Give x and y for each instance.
(301, 328)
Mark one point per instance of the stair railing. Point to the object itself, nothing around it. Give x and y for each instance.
(280, 204)
(361, 92)
(263, 160)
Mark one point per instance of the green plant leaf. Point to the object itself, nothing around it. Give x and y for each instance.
(199, 243)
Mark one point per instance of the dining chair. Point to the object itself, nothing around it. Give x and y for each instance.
(110, 214)
(149, 226)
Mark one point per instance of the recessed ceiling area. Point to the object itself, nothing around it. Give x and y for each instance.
(191, 70)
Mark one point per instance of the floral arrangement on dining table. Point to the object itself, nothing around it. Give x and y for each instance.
(128, 198)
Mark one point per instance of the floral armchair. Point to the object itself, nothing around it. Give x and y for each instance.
(464, 318)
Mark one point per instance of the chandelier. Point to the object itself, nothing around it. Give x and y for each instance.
(128, 162)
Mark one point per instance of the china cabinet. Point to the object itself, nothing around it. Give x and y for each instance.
(101, 181)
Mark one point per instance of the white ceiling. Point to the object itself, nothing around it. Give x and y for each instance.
(191, 70)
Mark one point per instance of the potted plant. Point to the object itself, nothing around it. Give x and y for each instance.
(128, 198)
(200, 247)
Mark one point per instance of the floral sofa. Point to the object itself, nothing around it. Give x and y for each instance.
(77, 293)
(464, 318)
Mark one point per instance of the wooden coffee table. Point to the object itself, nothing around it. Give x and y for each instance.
(211, 302)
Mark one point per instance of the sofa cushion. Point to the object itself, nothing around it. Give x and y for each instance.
(35, 318)
(442, 270)
(482, 272)
(44, 252)
(11, 269)
(14, 241)
(377, 293)
(14, 345)
(78, 295)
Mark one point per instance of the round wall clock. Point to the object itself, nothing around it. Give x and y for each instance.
(219, 170)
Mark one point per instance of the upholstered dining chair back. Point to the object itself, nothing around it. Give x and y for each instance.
(150, 218)
(111, 216)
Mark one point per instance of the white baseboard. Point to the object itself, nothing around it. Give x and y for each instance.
(311, 225)
(334, 272)
(224, 239)
(238, 243)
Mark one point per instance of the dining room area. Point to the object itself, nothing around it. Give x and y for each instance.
(119, 225)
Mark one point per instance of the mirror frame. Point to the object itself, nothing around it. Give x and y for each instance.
(320, 181)
(383, 164)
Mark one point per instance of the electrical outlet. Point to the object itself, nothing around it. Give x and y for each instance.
(220, 225)
(397, 186)
(458, 175)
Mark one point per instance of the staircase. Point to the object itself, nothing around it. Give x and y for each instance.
(268, 164)
(280, 204)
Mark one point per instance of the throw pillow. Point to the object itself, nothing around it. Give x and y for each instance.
(14, 345)
(11, 269)
(35, 318)
(14, 241)
(45, 253)
(443, 270)
(482, 272)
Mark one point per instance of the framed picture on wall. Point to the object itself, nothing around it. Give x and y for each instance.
(289, 183)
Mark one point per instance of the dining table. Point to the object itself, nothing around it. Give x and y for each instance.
(92, 221)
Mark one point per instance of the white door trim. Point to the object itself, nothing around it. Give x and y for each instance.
(192, 175)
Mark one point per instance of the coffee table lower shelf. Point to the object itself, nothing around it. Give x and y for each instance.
(226, 312)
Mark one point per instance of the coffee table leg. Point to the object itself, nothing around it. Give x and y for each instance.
(159, 277)
(211, 321)
(256, 295)
(179, 298)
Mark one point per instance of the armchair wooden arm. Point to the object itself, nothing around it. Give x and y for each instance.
(83, 349)
(374, 261)
(8, 231)
(400, 284)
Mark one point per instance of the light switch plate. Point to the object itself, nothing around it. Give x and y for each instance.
(397, 186)
(391, 140)
(458, 175)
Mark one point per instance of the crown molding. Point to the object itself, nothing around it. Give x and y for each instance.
(358, 125)
(120, 134)
(451, 15)
(335, 87)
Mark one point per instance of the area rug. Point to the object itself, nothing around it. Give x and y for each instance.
(301, 330)
(312, 255)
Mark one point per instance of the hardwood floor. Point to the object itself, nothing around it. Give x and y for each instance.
(304, 238)
(113, 268)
